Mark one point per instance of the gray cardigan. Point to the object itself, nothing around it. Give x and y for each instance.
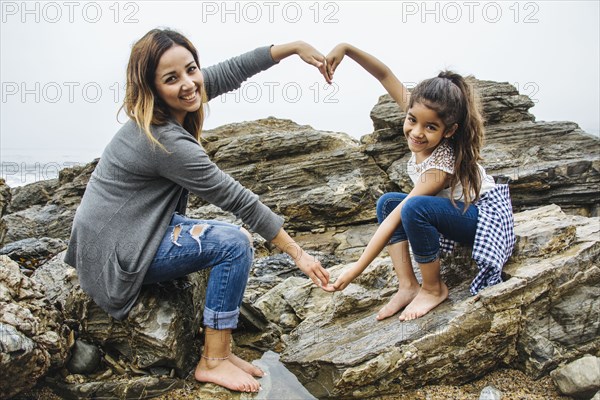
(136, 187)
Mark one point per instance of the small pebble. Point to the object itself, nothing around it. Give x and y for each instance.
(490, 393)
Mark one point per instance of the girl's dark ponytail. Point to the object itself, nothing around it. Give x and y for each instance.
(456, 102)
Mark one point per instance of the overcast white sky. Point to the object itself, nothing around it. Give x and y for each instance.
(63, 63)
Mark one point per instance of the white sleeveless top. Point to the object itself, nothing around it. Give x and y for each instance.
(442, 158)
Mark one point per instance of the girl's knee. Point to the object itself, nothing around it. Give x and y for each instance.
(386, 204)
(412, 208)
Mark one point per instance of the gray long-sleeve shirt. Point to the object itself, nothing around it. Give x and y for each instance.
(135, 188)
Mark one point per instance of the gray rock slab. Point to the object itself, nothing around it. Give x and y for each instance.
(580, 378)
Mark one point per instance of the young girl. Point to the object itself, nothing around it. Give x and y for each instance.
(130, 229)
(452, 194)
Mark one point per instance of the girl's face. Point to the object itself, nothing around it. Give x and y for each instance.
(178, 81)
(424, 130)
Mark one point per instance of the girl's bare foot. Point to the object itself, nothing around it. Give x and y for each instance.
(403, 297)
(226, 374)
(246, 366)
(424, 302)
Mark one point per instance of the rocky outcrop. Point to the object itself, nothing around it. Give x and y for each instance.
(5, 197)
(47, 208)
(141, 356)
(160, 331)
(530, 321)
(327, 183)
(307, 175)
(32, 338)
(546, 164)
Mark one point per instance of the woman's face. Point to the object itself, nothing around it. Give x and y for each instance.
(178, 81)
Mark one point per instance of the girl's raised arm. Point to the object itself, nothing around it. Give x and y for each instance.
(374, 66)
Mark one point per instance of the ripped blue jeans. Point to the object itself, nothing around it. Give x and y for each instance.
(190, 245)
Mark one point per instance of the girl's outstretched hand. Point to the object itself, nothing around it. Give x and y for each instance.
(334, 58)
(342, 281)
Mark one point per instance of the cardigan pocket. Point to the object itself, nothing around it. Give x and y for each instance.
(119, 283)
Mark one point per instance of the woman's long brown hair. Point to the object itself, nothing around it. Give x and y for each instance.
(142, 102)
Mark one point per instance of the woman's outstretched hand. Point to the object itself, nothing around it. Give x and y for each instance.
(312, 56)
(334, 58)
(342, 281)
(313, 269)
(305, 51)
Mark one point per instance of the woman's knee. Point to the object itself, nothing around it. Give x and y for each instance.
(233, 239)
(240, 249)
(248, 235)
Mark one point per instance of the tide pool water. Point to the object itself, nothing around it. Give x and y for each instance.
(279, 383)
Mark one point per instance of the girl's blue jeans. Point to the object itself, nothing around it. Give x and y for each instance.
(190, 245)
(424, 218)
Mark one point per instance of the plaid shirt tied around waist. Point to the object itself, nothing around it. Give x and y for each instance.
(494, 238)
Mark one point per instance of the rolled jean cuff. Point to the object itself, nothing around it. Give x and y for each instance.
(220, 320)
(426, 259)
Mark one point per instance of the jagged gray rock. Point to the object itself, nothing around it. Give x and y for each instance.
(5, 198)
(46, 208)
(31, 253)
(144, 387)
(33, 339)
(37, 221)
(580, 378)
(38, 193)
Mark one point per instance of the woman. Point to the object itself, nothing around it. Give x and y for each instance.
(130, 229)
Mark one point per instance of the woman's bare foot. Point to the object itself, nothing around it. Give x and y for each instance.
(402, 297)
(424, 302)
(246, 366)
(226, 374)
